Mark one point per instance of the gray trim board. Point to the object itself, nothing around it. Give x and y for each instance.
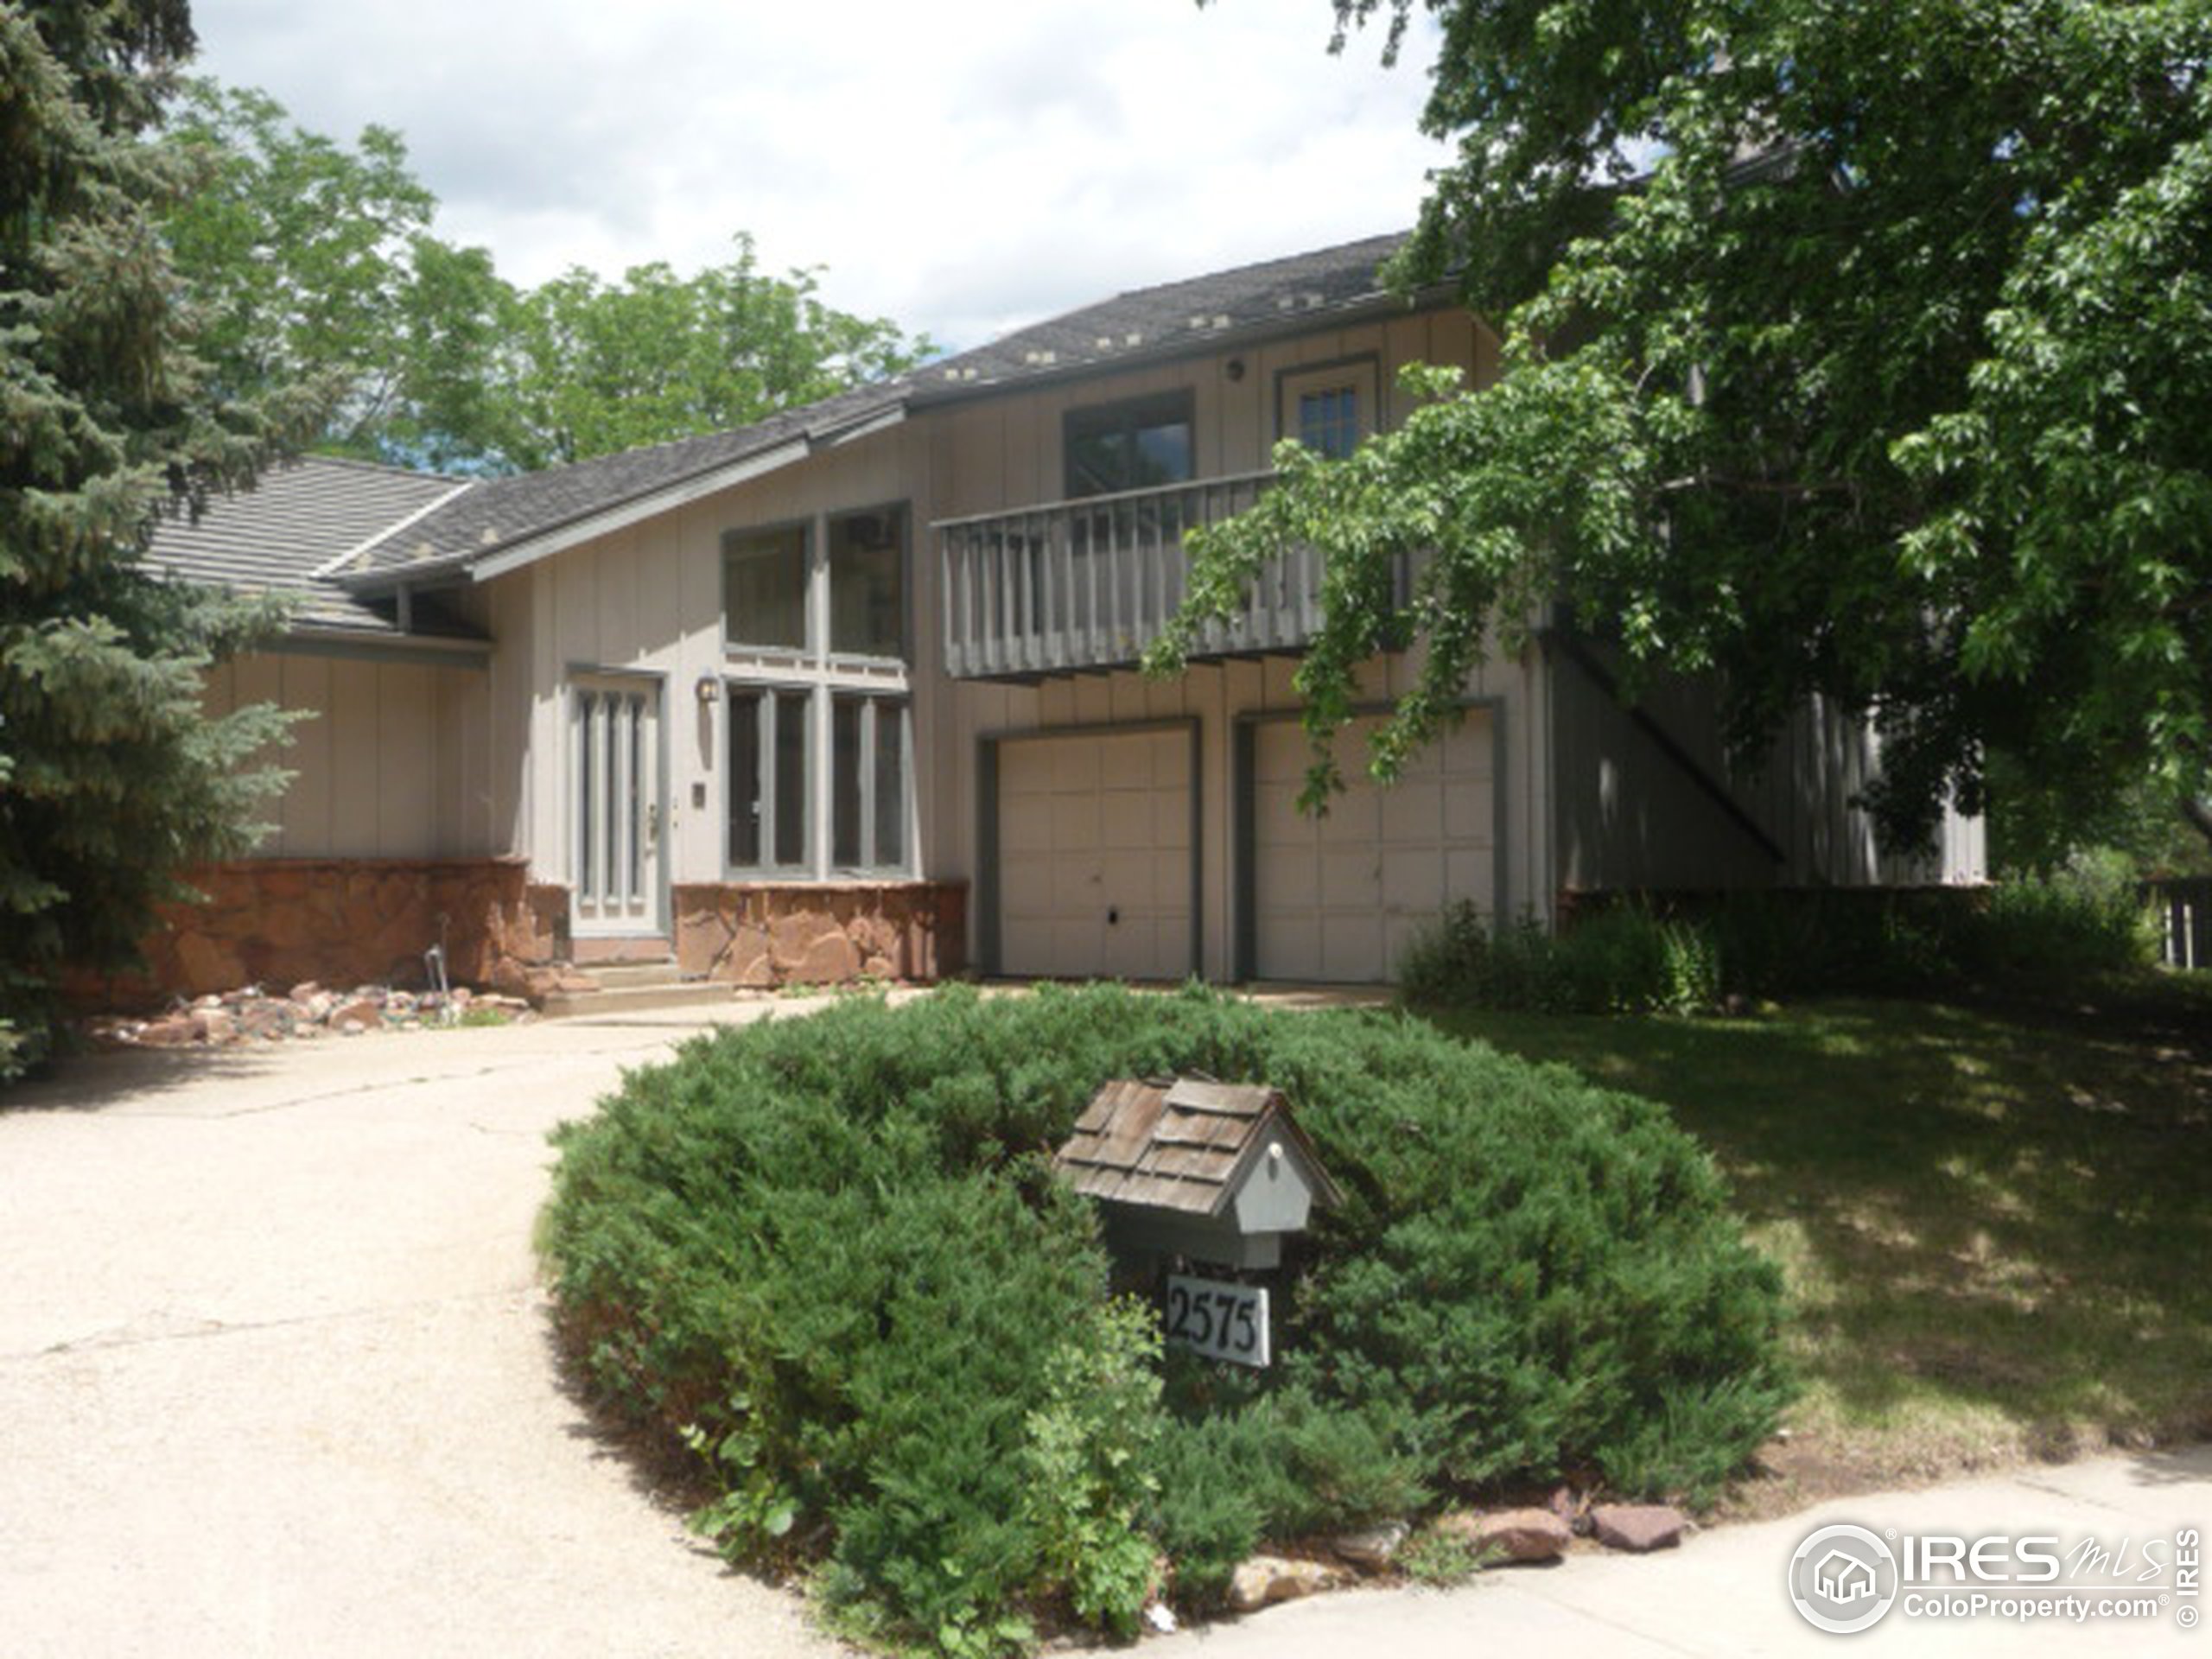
(423, 651)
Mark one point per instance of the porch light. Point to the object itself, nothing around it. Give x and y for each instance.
(709, 690)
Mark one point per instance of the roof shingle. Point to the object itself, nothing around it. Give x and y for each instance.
(299, 517)
(1166, 319)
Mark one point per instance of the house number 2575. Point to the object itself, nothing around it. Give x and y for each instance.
(1219, 1320)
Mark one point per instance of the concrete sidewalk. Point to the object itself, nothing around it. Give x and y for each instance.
(275, 1380)
(1723, 1592)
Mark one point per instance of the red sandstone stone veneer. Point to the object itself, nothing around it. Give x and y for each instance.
(822, 933)
(346, 921)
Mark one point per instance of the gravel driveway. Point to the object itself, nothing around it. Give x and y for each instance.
(273, 1365)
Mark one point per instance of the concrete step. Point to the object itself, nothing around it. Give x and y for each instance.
(621, 975)
(594, 950)
(618, 999)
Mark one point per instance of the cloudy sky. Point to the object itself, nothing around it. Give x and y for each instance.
(963, 167)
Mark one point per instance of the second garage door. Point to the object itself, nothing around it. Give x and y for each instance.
(1338, 899)
(1095, 856)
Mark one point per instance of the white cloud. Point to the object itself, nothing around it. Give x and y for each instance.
(963, 169)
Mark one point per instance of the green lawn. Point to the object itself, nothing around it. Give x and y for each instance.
(1997, 1224)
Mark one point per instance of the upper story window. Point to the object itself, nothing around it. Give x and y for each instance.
(851, 601)
(1330, 408)
(1138, 444)
(764, 587)
(1328, 420)
(868, 582)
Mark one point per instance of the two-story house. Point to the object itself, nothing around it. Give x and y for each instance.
(852, 689)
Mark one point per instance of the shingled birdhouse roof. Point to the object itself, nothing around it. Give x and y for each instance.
(1184, 1144)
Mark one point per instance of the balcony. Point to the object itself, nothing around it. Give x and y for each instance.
(1082, 586)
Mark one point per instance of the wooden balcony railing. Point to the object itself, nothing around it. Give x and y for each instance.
(1087, 584)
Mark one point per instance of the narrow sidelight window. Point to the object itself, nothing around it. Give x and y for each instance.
(768, 775)
(868, 786)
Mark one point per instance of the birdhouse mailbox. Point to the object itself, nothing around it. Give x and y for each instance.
(1216, 1171)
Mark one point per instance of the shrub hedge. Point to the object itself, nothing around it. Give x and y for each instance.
(1682, 953)
(834, 1248)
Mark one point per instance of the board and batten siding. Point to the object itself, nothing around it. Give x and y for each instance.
(394, 761)
(1004, 452)
(1216, 695)
(1000, 453)
(646, 600)
(1633, 814)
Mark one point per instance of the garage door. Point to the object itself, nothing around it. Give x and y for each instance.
(1095, 856)
(1338, 899)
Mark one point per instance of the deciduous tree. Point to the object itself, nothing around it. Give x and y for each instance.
(602, 366)
(313, 264)
(1858, 349)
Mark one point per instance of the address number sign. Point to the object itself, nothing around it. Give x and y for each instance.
(1219, 1320)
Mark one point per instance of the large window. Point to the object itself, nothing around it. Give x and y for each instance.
(819, 741)
(868, 570)
(764, 587)
(1136, 445)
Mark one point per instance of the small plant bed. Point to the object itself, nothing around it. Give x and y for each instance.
(1993, 1219)
(833, 1257)
(309, 1010)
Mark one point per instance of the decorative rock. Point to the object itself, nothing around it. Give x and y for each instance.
(1524, 1535)
(214, 1025)
(1371, 1548)
(361, 1011)
(1511, 1534)
(305, 991)
(266, 1021)
(1266, 1580)
(174, 1032)
(1639, 1527)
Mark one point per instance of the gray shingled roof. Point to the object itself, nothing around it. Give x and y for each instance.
(500, 511)
(1275, 297)
(299, 516)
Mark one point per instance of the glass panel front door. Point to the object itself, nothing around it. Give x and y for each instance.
(615, 809)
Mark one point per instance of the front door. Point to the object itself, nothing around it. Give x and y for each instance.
(615, 810)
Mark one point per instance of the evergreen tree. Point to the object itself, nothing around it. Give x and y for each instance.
(111, 779)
